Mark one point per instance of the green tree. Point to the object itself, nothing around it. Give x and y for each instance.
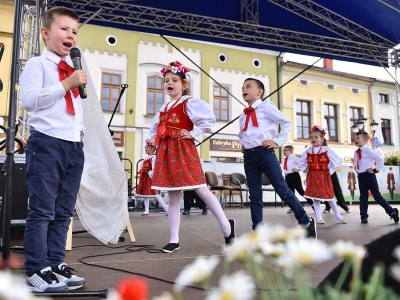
(392, 159)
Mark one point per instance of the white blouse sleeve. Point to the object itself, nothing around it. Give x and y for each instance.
(335, 161)
(202, 116)
(303, 161)
(153, 163)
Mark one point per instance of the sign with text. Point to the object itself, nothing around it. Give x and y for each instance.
(119, 138)
(224, 145)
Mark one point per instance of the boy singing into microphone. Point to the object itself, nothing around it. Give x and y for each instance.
(259, 138)
(54, 152)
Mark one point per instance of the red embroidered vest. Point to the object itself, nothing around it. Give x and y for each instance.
(174, 120)
(318, 161)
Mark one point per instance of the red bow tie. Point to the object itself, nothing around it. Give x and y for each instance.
(250, 113)
(64, 71)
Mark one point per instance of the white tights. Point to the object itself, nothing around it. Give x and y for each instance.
(174, 215)
(332, 203)
(160, 201)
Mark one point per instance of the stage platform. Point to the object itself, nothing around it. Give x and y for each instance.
(200, 235)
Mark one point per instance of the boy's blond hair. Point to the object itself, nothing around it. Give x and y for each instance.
(289, 147)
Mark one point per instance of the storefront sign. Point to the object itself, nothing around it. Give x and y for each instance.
(119, 138)
(225, 145)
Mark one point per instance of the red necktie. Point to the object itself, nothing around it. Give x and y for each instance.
(250, 112)
(64, 71)
(285, 164)
(359, 156)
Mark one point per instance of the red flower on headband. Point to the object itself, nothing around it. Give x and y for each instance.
(318, 128)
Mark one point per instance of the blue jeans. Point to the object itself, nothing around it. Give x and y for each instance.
(260, 160)
(53, 174)
(367, 181)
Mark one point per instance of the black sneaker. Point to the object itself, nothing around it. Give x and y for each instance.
(205, 211)
(63, 274)
(327, 211)
(289, 211)
(395, 215)
(364, 220)
(186, 212)
(44, 281)
(230, 240)
(312, 229)
(171, 247)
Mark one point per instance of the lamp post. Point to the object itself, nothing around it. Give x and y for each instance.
(360, 125)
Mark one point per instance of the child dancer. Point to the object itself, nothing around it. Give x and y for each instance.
(259, 138)
(146, 174)
(364, 158)
(175, 127)
(291, 171)
(319, 162)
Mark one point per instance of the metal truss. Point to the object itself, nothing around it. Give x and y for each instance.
(131, 16)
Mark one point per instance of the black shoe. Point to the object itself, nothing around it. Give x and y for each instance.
(171, 247)
(327, 211)
(63, 274)
(312, 229)
(395, 215)
(230, 240)
(44, 281)
(186, 212)
(204, 211)
(289, 211)
(364, 220)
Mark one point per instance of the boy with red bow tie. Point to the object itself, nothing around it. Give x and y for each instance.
(364, 159)
(54, 152)
(259, 137)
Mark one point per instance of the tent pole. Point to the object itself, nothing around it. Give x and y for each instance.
(10, 136)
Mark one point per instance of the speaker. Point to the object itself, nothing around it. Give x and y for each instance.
(380, 252)
(20, 192)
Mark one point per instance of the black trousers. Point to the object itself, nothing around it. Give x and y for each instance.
(338, 193)
(189, 197)
(293, 181)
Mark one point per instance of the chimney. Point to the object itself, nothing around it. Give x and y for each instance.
(328, 63)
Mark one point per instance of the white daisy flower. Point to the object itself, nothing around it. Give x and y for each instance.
(238, 286)
(396, 253)
(164, 296)
(244, 247)
(272, 250)
(174, 69)
(13, 287)
(347, 250)
(395, 271)
(303, 253)
(278, 233)
(196, 272)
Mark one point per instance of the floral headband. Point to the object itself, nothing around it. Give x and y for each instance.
(319, 128)
(149, 142)
(177, 68)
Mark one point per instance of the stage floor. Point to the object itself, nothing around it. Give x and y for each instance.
(199, 235)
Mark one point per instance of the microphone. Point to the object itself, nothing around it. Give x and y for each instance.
(76, 60)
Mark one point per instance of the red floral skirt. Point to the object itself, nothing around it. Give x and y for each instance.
(177, 166)
(319, 185)
(144, 186)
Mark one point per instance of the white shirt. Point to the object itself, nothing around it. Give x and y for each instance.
(43, 99)
(292, 162)
(268, 118)
(369, 157)
(335, 161)
(199, 112)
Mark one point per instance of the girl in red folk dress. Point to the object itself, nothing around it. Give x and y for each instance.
(319, 162)
(175, 128)
(146, 174)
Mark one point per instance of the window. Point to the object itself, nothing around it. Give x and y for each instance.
(221, 103)
(110, 87)
(331, 122)
(303, 82)
(331, 87)
(383, 98)
(155, 94)
(386, 132)
(354, 91)
(355, 115)
(303, 119)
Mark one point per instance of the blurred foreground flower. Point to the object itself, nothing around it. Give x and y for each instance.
(347, 250)
(130, 289)
(395, 268)
(12, 287)
(238, 286)
(197, 272)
